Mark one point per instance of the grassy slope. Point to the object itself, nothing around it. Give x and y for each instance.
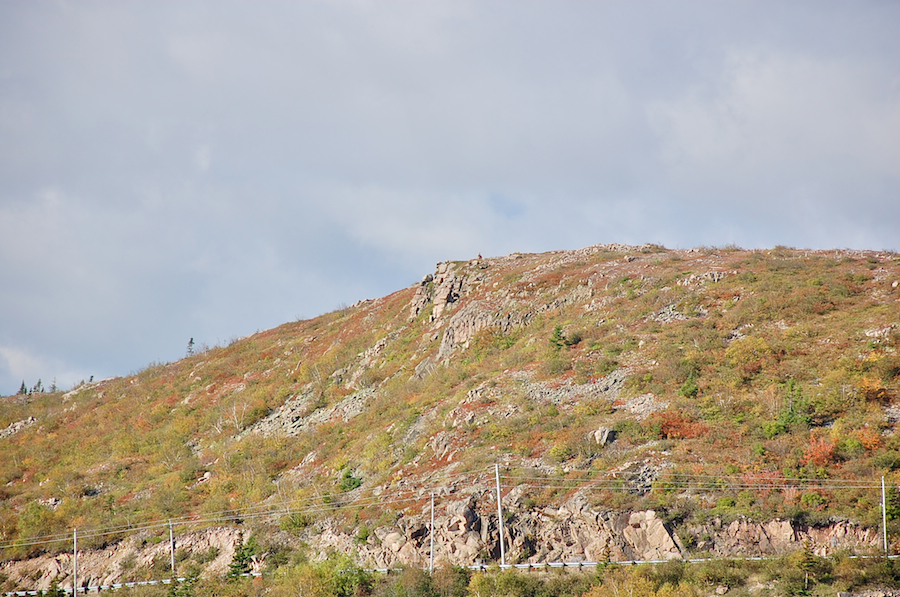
(770, 371)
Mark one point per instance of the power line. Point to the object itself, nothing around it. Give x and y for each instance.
(616, 481)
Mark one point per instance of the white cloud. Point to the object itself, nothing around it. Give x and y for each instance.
(408, 222)
(203, 157)
(29, 368)
(774, 120)
(171, 170)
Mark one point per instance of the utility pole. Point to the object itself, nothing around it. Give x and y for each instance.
(500, 516)
(172, 545)
(75, 562)
(884, 518)
(431, 536)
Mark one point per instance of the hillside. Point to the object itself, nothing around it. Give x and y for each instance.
(641, 403)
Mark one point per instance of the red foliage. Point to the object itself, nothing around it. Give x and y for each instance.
(675, 425)
(819, 452)
(765, 482)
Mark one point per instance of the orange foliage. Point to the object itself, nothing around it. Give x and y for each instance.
(819, 452)
(872, 390)
(675, 425)
(869, 438)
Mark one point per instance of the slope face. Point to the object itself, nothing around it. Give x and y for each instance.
(709, 386)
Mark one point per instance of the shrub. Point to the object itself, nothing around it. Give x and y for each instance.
(869, 438)
(889, 460)
(348, 482)
(722, 572)
(295, 522)
(556, 365)
(848, 448)
(872, 390)
(689, 388)
(559, 453)
(451, 581)
(748, 356)
(771, 429)
(819, 452)
(559, 340)
(812, 501)
(676, 425)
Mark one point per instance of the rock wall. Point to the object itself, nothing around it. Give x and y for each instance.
(466, 532)
(130, 559)
(745, 538)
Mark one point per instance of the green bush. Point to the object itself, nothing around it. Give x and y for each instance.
(730, 573)
(689, 388)
(348, 482)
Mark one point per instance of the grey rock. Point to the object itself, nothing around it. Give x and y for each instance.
(16, 427)
(604, 435)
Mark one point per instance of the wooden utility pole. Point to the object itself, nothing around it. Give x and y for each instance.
(431, 536)
(500, 517)
(74, 562)
(172, 545)
(884, 518)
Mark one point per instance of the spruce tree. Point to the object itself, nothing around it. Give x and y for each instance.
(243, 558)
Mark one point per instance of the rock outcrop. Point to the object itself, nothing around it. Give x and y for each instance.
(16, 427)
(473, 318)
(299, 414)
(465, 533)
(441, 289)
(127, 560)
(745, 538)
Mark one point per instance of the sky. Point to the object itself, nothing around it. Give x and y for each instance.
(205, 170)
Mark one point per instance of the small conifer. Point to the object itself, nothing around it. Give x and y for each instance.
(242, 560)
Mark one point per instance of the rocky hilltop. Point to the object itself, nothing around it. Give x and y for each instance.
(636, 403)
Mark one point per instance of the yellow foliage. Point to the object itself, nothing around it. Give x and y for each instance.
(747, 351)
(314, 580)
(872, 389)
(869, 438)
(628, 581)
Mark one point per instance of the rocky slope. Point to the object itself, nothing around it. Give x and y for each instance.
(642, 403)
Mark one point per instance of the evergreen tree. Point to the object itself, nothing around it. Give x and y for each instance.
(190, 347)
(243, 558)
(23, 389)
(557, 340)
(892, 504)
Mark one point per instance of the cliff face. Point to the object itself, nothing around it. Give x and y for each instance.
(641, 403)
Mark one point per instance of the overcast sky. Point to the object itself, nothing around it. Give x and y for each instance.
(172, 170)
